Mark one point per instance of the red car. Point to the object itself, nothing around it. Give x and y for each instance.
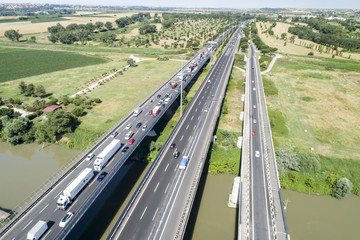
(131, 141)
(150, 112)
(253, 133)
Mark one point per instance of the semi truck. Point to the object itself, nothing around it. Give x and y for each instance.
(183, 163)
(73, 189)
(156, 111)
(137, 111)
(37, 231)
(106, 154)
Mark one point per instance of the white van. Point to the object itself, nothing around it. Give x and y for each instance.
(37, 231)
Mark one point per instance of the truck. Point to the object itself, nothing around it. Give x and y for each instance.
(183, 163)
(182, 76)
(137, 111)
(156, 111)
(106, 154)
(173, 84)
(73, 189)
(37, 231)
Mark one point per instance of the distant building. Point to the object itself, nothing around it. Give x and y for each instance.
(51, 108)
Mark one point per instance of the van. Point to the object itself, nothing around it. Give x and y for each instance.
(137, 111)
(37, 231)
(129, 135)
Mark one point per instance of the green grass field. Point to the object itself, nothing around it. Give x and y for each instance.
(18, 63)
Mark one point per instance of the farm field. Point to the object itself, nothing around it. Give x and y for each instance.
(291, 48)
(21, 63)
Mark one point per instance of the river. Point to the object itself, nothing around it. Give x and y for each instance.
(25, 167)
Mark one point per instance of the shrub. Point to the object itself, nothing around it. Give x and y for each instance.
(310, 182)
(286, 160)
(309, 162)
(342, 188)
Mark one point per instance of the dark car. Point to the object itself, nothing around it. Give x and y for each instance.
(113, 134)
(101, 176)
(138, 124)
(172, 145)
(125, 149)
(176, 154)
(159, 95)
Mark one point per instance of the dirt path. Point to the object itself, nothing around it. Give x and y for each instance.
(272, 63)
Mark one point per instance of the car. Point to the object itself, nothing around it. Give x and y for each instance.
(66, 219)
(254, 120)
(144, 128)
(89, 156)
(253, 133)
(125, 149)
(150, 112)
(128, 126)
(257, 154)
(163, 105)
(159, 95)
(176, 154)
(101, 176)
(131, 141)
(254, 89)
(254, 106)
(166, 95)
(172, 145)
(114, 133)
(138, 124)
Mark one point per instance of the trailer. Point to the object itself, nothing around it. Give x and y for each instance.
(106, 154)
(73, 189)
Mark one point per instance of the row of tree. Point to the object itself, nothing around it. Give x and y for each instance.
(31, 89)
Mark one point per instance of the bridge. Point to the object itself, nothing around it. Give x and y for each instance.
(261, 210)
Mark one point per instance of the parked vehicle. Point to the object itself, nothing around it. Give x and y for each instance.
(73, 189)
(183, 163)
(37, 231)
(106, 154)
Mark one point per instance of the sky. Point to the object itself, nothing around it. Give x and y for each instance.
(240, 4)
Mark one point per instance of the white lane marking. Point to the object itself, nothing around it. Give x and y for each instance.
(143, 213)
(47, 233)
(57, 195)
(176, 167)
(55, 209)
(194, 127)
(27, 224)
(199, 118)
(202, 97)
(192, 117)
(166, 167)
(44, 208)
(187, 126)
(167, 187)
(196, 110)
(181, 137)
(156, 186)
(155, 214)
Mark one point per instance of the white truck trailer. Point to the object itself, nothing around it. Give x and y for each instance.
(106, 154)
(37, 231)
(73, 189)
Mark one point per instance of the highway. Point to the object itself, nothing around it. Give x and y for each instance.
(160, 207)
(44, 208)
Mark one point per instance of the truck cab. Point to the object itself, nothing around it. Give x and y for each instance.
(183, 163)
(63, 202)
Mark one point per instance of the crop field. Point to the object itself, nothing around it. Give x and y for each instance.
(18, 63)
(291, 48)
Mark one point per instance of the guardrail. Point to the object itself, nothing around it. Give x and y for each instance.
(26, 205)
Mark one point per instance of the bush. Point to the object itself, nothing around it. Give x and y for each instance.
(342, 188)
(310, 182)
(287, 160)
(309, 163)
(78, 111)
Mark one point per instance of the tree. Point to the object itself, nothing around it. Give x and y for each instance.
(342, 188)
(78, 111)
(109, 25)
(265, 50)
(131, 62)
(107, 37)
(309, 162)
(286, 160)
(82, 35)
(147, 29)
(283, 36)
(39, 91)
(16, 129)
(30, 90)
(99, 25)
(67, 37)
(244, 46)
(13, 35)
(22, 87)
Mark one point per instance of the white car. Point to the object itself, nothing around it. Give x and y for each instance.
(128, 126)
(66, 219)
(257, 154)
(254, 121)
(89, 157)
(144, 128)
(254, 106)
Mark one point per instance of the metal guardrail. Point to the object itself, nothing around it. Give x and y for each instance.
(26, 205)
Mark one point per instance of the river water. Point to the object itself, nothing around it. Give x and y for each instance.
(310, 217)
(25, 167)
